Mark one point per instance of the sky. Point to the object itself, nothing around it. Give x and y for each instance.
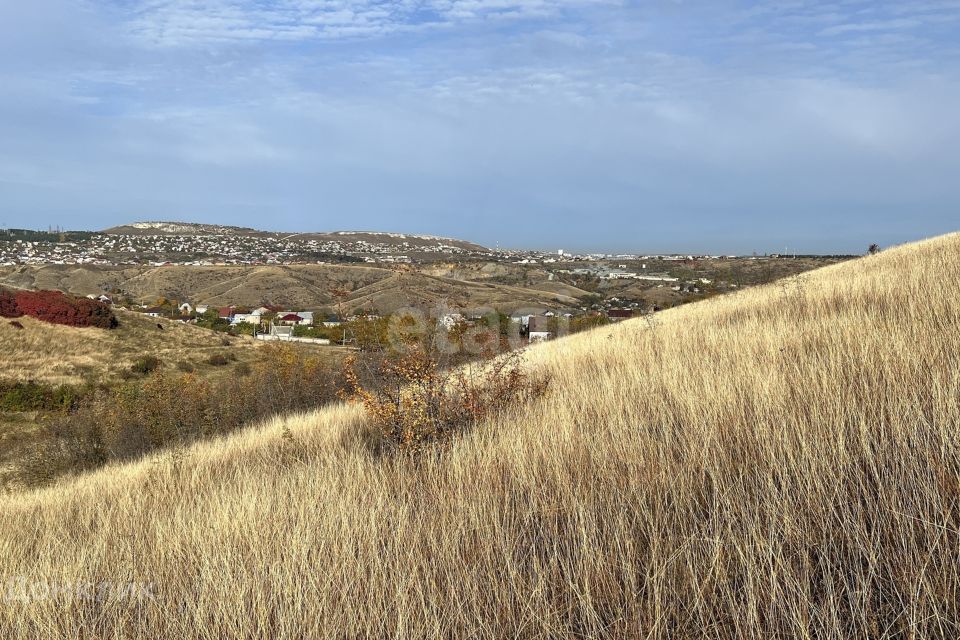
(590, 125)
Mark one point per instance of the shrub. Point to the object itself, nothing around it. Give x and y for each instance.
(8, 304)
(34, 396)
(243, 369)
(168, 409)
(185, 366)
(59, 308)
(145, 365)
(415, 400)
(218, 360)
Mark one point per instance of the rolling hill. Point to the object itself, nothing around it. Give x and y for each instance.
(307, 286)
(410, 240)
(781, 462)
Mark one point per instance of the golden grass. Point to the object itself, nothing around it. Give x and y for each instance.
(57, 354)
(779, 463)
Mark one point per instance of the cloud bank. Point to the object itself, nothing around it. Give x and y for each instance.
(609, 125)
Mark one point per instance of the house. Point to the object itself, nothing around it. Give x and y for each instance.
(185, 309)
(250, 318)
(262, 310)
(332, 321)
(153, 312)
(226, 313)
(301, 318)
(202, 309)
(289, 320)
(105, 299)
(538, 329)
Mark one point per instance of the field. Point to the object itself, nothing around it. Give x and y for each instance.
(54, 354)
(781, 462)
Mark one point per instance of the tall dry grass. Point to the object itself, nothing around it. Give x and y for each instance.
(779, 463)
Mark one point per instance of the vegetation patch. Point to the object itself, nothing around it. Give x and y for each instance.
(57, 308)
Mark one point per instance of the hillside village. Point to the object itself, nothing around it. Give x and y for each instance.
(541, 294)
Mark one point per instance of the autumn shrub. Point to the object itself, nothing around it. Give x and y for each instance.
(218, 360)
(415, 399)
(170, 408)
(8, 304)
(145, 365)
(59, 308)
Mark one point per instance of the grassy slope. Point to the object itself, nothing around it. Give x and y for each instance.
(56, 354)
(783, 460)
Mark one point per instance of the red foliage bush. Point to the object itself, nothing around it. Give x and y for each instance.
(59, 308)
(8, 304)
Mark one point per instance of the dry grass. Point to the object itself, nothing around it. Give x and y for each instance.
(56, 354)
(779, 463)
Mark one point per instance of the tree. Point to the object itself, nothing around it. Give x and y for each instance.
(874, 249)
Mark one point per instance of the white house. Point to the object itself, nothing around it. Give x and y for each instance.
(185, 309)
(202, 309)
(251, 318)
(538, 329)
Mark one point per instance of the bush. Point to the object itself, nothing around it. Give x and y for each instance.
(145, 365)
(169, 409)
(218, 360)
(415, 400)
(185, 366)
(34, 396)
(58, 308)
(243, 369)
(8, 304)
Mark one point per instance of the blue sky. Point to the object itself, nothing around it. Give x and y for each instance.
(583, 124)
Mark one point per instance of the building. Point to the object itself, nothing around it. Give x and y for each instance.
(303, 318)
(185, 309)
(538, 329)
(250, 318)
(616, 315)
(226, 313)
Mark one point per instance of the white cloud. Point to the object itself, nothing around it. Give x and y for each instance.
(193, 22)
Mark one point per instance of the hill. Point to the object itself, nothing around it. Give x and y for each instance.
(307, 286)
(781, 462)
(55, 354)
(410, 240)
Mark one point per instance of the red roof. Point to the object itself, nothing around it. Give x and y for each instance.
(291, 317)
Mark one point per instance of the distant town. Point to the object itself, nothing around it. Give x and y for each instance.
(223, 246)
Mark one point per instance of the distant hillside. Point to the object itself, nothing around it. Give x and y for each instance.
(413, 241)
(308, 286)
(179, 229)
(777, 463)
